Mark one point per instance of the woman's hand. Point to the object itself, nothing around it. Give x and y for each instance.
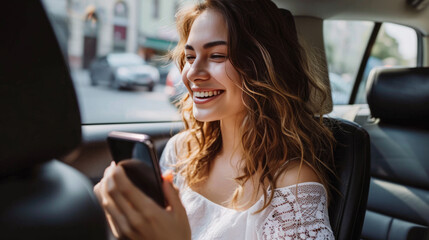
(132, 214)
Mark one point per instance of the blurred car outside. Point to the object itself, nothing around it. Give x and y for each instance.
(123, 70)
(174, 86)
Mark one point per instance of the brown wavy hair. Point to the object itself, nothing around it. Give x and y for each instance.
(277, 80)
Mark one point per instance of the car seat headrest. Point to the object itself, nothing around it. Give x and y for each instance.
(399, 95)
(40, 118)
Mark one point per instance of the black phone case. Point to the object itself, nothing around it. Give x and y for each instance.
(147, 179)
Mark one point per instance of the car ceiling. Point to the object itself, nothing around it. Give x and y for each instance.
(395, 11)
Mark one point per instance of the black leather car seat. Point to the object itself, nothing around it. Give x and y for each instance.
(41, 198)
(398, 203)
(352, 160)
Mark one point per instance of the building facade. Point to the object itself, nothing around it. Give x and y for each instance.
(97, 27)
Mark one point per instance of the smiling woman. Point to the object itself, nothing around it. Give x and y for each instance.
(252, 161)
(208, 69)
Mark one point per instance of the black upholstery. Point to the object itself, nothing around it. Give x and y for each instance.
(41, 198)
(40, 117)
(400, 95)
(398, 203)
(51, 201)
(347, 208)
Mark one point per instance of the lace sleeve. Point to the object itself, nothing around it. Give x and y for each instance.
(297, 214)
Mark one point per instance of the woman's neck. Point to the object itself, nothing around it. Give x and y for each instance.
(231, 139)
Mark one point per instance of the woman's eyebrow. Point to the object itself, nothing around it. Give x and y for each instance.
(207, 45)
(215, 43)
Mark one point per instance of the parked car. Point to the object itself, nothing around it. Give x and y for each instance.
(123, 70)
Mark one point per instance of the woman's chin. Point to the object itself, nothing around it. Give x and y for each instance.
(204, 115)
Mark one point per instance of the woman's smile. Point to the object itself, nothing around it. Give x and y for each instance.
(201, 96)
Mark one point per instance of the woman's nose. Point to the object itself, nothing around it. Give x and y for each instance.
(198, 72)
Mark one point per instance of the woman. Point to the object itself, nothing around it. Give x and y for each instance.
(252, 162)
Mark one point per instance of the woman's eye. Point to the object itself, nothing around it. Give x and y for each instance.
(217, 56)
(189, 58)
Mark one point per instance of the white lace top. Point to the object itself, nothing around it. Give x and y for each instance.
(289, 216)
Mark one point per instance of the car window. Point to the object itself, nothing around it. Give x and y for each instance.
(345, 43)
(395, 46)
(133, 36)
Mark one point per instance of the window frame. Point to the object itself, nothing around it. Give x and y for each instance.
(370, 44)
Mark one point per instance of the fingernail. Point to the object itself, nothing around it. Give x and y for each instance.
(168, 176)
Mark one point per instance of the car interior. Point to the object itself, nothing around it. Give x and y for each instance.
(397, 203)
(51, 157)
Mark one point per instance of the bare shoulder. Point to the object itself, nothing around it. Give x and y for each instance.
(295, 173)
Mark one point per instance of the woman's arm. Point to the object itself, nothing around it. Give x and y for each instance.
(298, 209)
(134, 215)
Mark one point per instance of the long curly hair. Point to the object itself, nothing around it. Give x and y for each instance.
(277, 80)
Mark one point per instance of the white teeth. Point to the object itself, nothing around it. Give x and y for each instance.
(207, 94)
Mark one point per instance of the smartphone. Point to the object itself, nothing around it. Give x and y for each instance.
(135, 152)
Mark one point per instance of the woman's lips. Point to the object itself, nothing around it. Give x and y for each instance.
(205, 96)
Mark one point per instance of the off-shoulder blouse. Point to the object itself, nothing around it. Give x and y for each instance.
(293, 213)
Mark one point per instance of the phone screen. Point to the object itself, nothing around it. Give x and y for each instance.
(139, 162)
(127, 149)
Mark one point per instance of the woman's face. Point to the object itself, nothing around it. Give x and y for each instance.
(212, 81)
